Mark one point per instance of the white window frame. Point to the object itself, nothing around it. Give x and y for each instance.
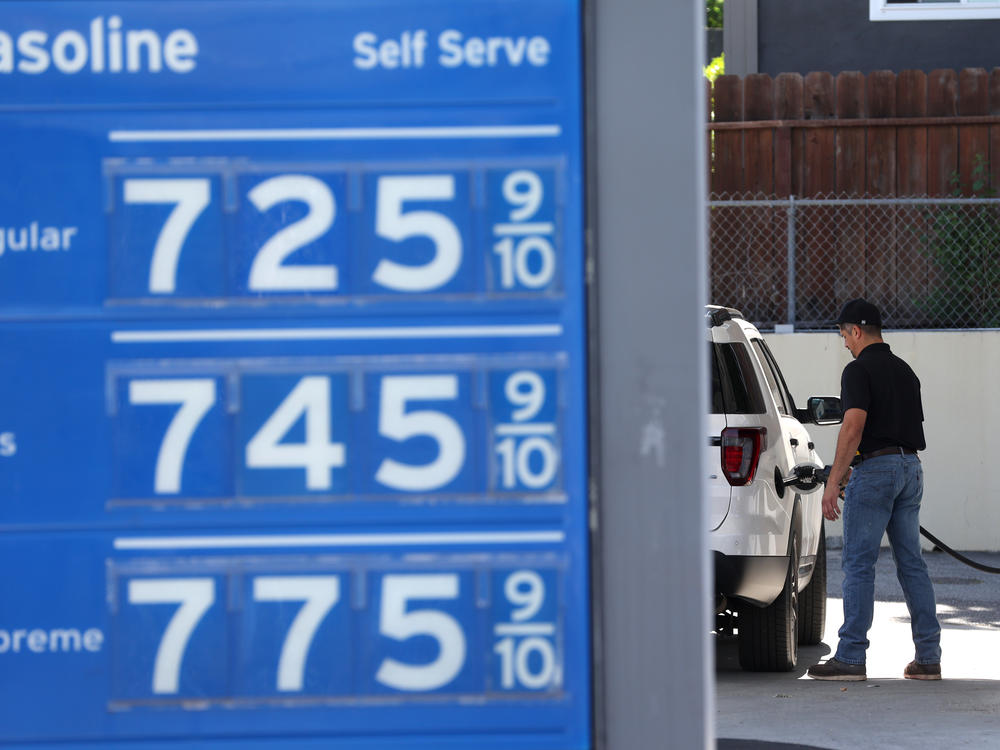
(957, 10)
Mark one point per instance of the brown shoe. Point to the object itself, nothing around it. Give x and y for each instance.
(916, 671)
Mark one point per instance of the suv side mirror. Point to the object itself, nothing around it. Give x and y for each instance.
(824, 410)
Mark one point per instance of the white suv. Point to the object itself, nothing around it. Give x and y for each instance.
(765, 509)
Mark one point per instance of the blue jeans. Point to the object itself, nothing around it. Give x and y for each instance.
(884, 496)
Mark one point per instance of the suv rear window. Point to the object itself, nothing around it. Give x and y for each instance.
(735, 389)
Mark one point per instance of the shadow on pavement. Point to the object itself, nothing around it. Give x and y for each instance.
(725, 744)
(785, 711)
(727, 660)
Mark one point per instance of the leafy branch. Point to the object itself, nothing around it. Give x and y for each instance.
(963, 242)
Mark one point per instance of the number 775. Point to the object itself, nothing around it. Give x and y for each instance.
(319, 594)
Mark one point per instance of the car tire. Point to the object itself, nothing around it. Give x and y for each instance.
(812, 600)
(768, 636)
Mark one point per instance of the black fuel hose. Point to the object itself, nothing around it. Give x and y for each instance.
(957, 555)
(823, 474)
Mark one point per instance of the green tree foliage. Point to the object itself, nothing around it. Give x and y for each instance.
(963, 242)
(713, 14)
(716, 68)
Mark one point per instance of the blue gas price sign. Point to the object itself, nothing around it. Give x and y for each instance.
(412, 232)
(292, 374)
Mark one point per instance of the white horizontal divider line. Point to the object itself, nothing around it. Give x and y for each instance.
(336, 134)
(525, 628)
(329, 334)
(339, 540)
(512, 228)
(526, 428)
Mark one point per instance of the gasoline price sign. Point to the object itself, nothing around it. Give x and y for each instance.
(293, 391)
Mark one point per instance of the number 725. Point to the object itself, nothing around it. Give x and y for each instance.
(271, 269)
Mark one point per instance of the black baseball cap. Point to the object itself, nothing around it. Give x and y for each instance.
(860, 312)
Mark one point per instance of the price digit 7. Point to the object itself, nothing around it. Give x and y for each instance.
(196, 596)
(196, 397)
(320, 594)
(191, 197)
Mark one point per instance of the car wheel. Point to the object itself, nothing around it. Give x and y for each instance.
(768, 636)
(812, 602)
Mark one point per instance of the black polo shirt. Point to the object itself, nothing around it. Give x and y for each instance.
(883, 385)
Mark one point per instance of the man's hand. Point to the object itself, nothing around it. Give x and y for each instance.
(847, 444)
(831, 508)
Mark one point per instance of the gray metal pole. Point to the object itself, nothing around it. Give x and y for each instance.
(647, 200)
(791, 261)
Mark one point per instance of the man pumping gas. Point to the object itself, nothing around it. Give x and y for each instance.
(880, 436)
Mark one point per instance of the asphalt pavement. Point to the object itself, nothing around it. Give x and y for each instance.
(789, 711)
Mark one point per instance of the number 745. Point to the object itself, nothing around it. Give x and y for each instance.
(318, 454)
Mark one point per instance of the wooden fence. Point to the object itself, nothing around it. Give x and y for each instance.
(884, 134)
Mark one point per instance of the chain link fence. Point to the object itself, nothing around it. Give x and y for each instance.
(925, 262)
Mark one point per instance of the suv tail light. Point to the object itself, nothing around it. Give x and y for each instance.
(741, 447)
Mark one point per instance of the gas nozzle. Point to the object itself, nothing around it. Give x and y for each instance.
(807, 477)
(823, 475)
